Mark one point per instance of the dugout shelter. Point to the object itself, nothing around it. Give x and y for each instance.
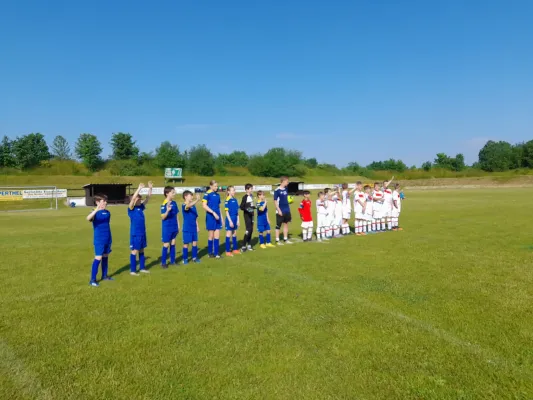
(294, 188)
(117, 193)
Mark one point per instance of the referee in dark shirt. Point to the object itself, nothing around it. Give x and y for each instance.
(248, 209)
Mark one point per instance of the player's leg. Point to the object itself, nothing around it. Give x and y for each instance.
(172, 249)
(249, 222)
(194, 254)
(133, 260)
(216, 243)
(142, 261)
(235, 244)
(268, 237)
(185, 248)
(98, 252)
(105, 264)
(229, 232)
(167, 238)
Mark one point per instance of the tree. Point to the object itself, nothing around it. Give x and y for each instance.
(60, 148)
(235, 159)
(123, 146)
(388, 165)
(353, 167)
(201, 161)
(6, 153)
(427, 166)
(168, 155)
(276, 162)
(495, 156)
(88, 150)
(458, 163)
(524, 153)
(311, 163)
(29, 150)
(443, 161)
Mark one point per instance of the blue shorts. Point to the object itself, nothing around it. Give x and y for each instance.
(211, 224)
(137, 242)
(169, 236)
(102, 248)
(263, 228)
(189, 237)
(234, 220)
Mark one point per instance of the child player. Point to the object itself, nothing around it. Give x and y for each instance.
(100, 217)
(190, 227)
(138, 229)
(263, 222)
(330, 206)
(306, 216)
(396, 207)
(359, 202)
(170, 226)
(370, 223)
(283, 210)
(231, 206)
(213, 221)
(337, 213)
(248, 209)
(321, 217)
(346, 208)
(386, 211)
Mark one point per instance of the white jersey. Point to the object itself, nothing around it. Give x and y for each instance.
(331, 207)
(359, 197)
(369, 204)
(321, 207)
(396, 197)
(387, 198)
(346, 205)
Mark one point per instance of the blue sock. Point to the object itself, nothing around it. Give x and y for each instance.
(173, 254)
(261, 239)
(141, 261)
(133, 263)
(105, 265)
(94, 271)
(164, 256)
(235, 244)
(228, 245)
(194, 252)
(268, 237)
(186, 253)
(210, 246)
(216, 246)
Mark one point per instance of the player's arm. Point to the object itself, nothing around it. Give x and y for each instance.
(135, 196)
(178, 221)
(395, 201)
(386, 184)
(208, 209)
(243, 202)
(164, 215)
(276, 202)
(150, 187)
(301, 209)
(91, 216)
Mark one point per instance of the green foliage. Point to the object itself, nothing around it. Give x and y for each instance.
(234, 159)
(201, 161)
(123, 146)
(496, 156)
(352, 168)
(453, 164)
(525, 154)
(127, 168)
(277, 162)
(29, 150)
(387, 165)
(61, 148)
(7, 160)
(311, 163)
(168, 155)
(88, 150)
(426, 166)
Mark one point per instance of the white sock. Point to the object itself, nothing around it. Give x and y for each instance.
(304, 234)
(309, 233)
(373, 226)
(389, 224)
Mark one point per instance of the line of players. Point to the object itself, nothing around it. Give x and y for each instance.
(373, 211)
(376, 210)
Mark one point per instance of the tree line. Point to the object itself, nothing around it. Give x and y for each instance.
(31, 151)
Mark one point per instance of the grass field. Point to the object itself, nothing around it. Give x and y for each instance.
(442, 310)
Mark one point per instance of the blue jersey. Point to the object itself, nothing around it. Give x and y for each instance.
(282, 197)
(189, 219)
(170, 224)
(232, 206)
(212, 199)
(137, 225)
(102, 230)
(262, 216)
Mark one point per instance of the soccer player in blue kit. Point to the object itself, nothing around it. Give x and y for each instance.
(100, 217)
(170, 226)
(283, 210)
(213, 222)
(231, 206)
(190, 227)
(138, 229)
(263, 222)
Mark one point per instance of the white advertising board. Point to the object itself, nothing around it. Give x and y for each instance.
(44, 194)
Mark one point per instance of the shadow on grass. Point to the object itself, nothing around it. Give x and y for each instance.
(126, 268)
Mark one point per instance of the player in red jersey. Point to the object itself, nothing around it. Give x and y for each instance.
(307, 217)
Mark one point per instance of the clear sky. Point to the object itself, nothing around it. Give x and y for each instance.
(339, 80)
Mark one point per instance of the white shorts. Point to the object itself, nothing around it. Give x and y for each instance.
(346, 213)
(360, 215)
(369, 217)
(307, 225)
(386, 212)
(321, 220)
(395, 213)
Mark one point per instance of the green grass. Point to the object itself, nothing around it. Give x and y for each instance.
(442, 310)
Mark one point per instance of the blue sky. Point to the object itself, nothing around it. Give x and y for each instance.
(339, 80)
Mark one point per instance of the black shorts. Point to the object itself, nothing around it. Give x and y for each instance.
(283, 219)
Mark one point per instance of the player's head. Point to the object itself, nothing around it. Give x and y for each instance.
(344, 186)
(321, 195)
(231, 191)
(359, 185)
(376, 186)
(213, 185)
(284, 180)
(326, 191)
(100, 199)
(260, 195)
(248, 188)
(307, 193)
(139, 200)
(385, 184)
(397, 186)
(367, 188)
(169, 192)
(187, 195)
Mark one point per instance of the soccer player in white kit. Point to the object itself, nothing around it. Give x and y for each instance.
(346, 208)
(330, 206)
(337, 213)
(321, 217)
(359, 203)
(396, 208)
(370, 223)
(386, 211)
